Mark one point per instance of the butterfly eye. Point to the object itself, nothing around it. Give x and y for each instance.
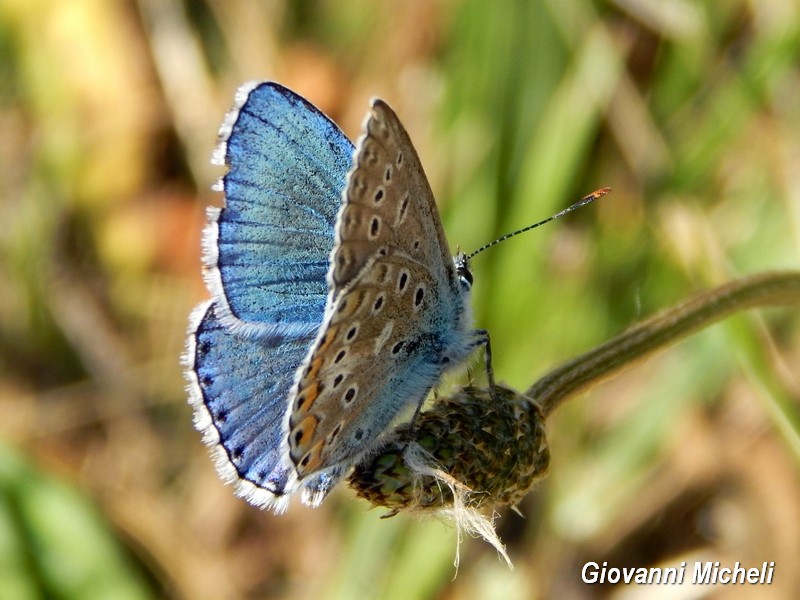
(464, 276)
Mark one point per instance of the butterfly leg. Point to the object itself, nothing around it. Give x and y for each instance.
(413, 422)
(482, 339)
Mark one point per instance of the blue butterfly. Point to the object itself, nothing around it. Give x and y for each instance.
(335, 303)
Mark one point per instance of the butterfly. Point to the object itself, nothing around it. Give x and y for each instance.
(335, 303)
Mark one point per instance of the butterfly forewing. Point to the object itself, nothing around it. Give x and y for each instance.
(388, 202)
(393, 306)
(266, 251)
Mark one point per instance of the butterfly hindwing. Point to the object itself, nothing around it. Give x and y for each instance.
(238, 386)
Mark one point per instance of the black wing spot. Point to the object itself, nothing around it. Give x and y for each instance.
(338, 380)
(375, 227)
(387, 176)
(397, 347)
(404, 207)
(378, 303)
(352, 333)
(419, 296)
(379, 195)
(350, 394)
(335, 433)
(403, 281)
(340, 356)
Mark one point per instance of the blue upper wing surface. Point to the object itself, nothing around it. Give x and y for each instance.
(267, 250)
(238, 387)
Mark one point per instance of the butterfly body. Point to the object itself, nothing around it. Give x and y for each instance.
(335, 302)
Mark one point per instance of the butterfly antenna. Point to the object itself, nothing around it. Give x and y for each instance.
(582, 202)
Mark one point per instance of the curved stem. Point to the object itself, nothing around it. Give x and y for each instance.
(663, 330)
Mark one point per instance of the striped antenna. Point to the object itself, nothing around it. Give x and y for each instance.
(582, 202)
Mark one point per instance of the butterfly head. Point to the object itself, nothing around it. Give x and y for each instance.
(463, 272)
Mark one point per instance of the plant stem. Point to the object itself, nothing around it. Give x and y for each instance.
(661, 331)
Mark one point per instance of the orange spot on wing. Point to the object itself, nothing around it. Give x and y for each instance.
(328, 338)
(305, 429)
(306, 397)
(311, 460)
(313, 369)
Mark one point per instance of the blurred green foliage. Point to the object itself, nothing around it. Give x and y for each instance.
(53, 544)
(687, 108)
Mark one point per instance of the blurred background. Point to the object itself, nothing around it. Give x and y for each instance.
(689, 110)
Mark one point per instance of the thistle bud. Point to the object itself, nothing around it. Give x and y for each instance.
(489, 450)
